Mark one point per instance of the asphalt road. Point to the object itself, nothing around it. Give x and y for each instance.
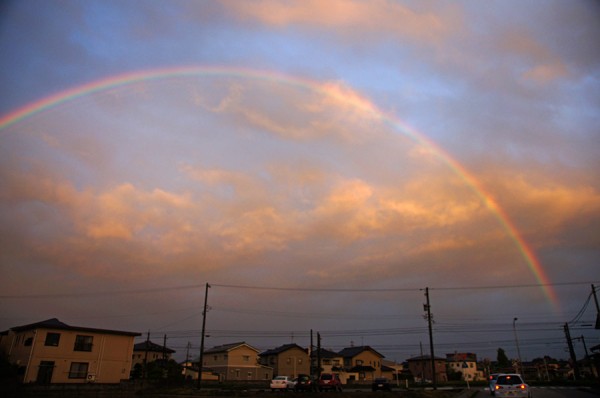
(548, 392)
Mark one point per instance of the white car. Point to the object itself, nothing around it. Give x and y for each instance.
(511, 385)
(282, 383)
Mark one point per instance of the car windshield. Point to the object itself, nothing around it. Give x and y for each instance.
(509, 380)
(280, 378)
(326, 377)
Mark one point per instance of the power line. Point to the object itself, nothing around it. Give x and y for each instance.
(248, 287)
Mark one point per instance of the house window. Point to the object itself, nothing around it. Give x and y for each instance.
(78, 370)
(359, 362)
(83, 343)
(28, 341)
(246, 358)
(215, 358)
(289, 360)
(52, 339)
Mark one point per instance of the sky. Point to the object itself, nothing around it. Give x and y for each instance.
(322, 165)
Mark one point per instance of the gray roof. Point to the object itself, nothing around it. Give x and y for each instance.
(281, 349)
(152, 347)
(227, 347)
(54, 323)
(351, 352)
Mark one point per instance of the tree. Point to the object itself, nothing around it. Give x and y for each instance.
(503, 361)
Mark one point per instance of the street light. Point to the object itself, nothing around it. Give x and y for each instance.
(520, 366)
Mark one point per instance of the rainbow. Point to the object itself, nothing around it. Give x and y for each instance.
(338, 92)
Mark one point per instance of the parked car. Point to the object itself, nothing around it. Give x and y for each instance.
(282, 383)
(381, 384)
(492, 382)
(511, 385)
(305, 383)
(330, 381)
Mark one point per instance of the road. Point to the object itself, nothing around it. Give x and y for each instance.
(548, 392)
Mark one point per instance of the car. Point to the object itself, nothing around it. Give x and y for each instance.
(330, 381)
(381, 384)
(492, 382)
(511, 385)
(305, 383)
(281, 383)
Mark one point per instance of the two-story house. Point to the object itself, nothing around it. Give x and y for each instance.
(53, 352)
(331, 362)
(147, 351)
(465, 363)
(421, 369)
(286, 360)
(236, 361)
(362, 363)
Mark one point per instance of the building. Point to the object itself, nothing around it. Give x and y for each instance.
(465, 363)
(53, 352)
(287, 360)
(236, 361)
(362, 363)
(147, 351)
(331, 362)
(420, 368)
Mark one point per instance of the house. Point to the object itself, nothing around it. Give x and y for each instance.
(331, 362)
(363, 361)
(465, 363)
(189, 370)
(147, 351)
(392, 370)
(53, 352)
(286, 360)
(420, 368)
(236, 361)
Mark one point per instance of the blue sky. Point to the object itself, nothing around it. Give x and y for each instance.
(307, 180)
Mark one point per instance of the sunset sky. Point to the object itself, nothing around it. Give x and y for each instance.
(319, 163)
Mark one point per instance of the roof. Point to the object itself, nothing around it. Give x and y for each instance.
(424, 358)
(280, 349)
(351, 352)
(54, 323)
(323, 353)
(152, 347)
(228, 347)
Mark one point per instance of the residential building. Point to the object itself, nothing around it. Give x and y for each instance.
(53, 352)
(363, 361)
(331, 362)
(236, 361)
(287, 360)
(189, 370)
(465, 363)
(420, 368)
(147, 351)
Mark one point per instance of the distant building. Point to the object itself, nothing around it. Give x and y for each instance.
(362, 361)
(286, 360)
(147, 351)
(465, 363)
(53, 352)
(236, 361)
(420, 368)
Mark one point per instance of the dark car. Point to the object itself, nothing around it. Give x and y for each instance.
(330, 381)
(305, 383)
(381, 384)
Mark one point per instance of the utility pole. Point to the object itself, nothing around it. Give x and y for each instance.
(597, 308)
(520, 364)
(312, 354)
(571, 351)
(318, 355)
(429, 322)
(164, 357)
(201, 359)
(145, 367)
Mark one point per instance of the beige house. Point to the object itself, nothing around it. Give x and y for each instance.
(362, 363)
(53, 352)
(331, 361)
(287, 360)
(465, 363)
(236, 361)
(147, 351)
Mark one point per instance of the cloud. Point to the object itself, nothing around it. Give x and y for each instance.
(376, 17)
